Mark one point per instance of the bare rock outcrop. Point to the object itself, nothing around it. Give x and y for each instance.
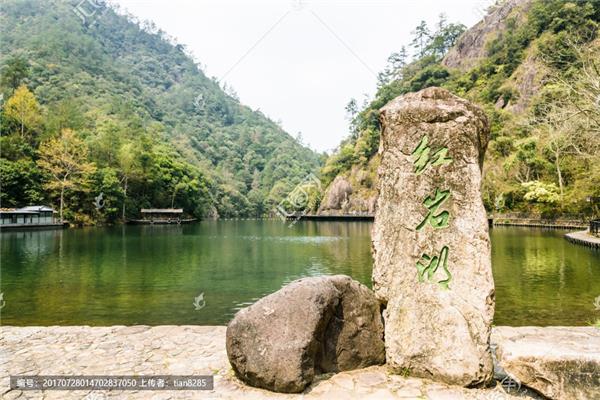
(336, 197)
(430, 238)
(313, 325)
(561, 363)
(471, 46)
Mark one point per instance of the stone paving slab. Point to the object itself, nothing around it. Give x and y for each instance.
(562, 363)
(182, 350)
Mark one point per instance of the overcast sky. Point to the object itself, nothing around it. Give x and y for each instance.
(300, 61)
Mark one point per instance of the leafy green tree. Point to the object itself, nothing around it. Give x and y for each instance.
(129, 168)
(14, 147)
(257, 203)
(351, 109)
(107, 194)
(64, 114)
(64, 159)
(444, 37)
(541, 192)
(14, 72)
(23, 108)
(21, 183)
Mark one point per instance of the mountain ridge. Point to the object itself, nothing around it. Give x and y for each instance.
(123, 76)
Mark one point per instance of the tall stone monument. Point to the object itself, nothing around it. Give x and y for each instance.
(430, 238)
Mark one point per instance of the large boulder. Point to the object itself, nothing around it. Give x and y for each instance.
(336, 196)
(561, 363)
(313, 325)
(431, 245)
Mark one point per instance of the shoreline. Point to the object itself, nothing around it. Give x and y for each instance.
(583, 238)
(494, 221)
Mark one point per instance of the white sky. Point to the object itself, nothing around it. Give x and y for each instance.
(299, 61)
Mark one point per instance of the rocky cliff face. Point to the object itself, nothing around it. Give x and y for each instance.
(471, 46)
(353, 192)
(471, 49)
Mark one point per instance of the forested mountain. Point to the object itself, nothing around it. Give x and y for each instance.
(533, 65)
(96, 102)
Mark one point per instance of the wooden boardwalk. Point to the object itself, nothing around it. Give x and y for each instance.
(583, 238)
(540, 224)
(491, 221)
(341, 217)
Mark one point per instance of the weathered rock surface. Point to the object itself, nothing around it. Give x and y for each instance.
(354, 336)
(471, 46)
(337, 194)
(430, 239)
(559, 362)
(312, 325)
(352, 192)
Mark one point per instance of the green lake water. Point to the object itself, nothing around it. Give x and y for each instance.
(153, 274)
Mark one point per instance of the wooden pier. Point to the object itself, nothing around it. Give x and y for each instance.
(584, 238)
(491, 221)
(339, 217)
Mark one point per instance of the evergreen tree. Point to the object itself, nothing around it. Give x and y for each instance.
(393, 71)
(444, 37)
(421, 39)
(15, 70)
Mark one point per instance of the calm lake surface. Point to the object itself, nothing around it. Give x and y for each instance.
(153, 274)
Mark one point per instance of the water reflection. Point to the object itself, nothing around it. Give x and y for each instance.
(29, 245)
(152, 274)
(541, 279)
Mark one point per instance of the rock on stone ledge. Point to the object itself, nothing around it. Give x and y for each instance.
(313, 325)
(561, 363)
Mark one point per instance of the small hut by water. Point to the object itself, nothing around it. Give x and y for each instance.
(28, 217)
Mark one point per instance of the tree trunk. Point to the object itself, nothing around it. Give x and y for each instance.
(22, 115)
(559, 173)
(62, 200)
(22, 126)
(124, 199)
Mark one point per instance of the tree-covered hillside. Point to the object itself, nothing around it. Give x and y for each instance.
(97, 102)
(533, 65)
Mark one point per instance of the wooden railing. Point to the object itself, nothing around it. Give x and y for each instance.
(563, 221)
(595, 227)
(542, 217)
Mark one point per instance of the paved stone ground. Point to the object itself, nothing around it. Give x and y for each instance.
(181, 350)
